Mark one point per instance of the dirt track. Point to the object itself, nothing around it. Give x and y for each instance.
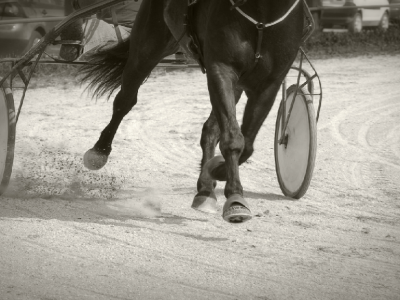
(128, 232)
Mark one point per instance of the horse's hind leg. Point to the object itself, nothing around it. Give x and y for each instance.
(148, 45)
(205, 199)
(257, 109)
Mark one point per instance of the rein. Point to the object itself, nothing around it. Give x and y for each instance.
(261, 26)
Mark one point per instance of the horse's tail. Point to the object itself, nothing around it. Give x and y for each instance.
(105, 68)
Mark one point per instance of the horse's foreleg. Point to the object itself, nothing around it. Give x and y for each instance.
(205, 199)
(221, 83)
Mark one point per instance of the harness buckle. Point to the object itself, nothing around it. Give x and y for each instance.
(260, 28)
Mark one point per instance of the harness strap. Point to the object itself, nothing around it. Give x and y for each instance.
(260, 26)
(238, 3)
(268, 24)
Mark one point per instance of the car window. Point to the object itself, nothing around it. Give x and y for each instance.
(11, 10)
(50, 2)
(48, 8)
(333, 2)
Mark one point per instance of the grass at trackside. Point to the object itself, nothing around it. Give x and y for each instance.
(345, 44)
(321, 45)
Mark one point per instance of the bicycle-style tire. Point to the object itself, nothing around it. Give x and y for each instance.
(7, 135)
(295, 160)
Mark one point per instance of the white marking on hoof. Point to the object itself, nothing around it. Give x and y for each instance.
(207, 204)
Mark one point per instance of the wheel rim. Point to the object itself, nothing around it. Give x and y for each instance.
(294, 161)
(3, 133)
(7, 136)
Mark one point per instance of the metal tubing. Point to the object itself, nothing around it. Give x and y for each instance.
(294, 97)
(31, 20)
(352, 7)
(283, 113)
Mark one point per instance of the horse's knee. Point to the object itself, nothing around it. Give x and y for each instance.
(232, 143)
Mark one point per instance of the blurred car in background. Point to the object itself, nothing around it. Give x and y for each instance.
(353, 18)
(18, 38)
(394, 12)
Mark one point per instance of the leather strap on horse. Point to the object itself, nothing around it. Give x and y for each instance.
(194, 45)
(260, 26)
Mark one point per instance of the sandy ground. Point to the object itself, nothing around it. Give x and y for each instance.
(128, 232)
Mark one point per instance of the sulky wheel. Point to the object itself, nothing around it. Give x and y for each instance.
(7, 135)
(295, 156)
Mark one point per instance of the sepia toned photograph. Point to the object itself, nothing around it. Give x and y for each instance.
(199, 149)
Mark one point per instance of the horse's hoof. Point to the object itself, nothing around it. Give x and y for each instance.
(93, 160)
(236, 210)
(212, 167)
(205, 203)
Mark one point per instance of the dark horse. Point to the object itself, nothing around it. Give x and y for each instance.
(239, 55)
